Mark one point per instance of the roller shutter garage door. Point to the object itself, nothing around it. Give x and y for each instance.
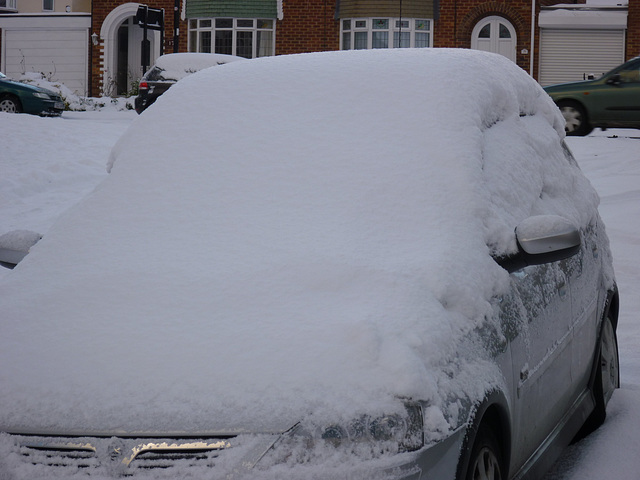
(56, 45)
(569, 55)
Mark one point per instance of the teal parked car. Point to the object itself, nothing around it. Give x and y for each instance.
(16, 97)
(611, 101)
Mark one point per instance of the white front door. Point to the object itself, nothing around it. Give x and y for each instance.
(495, 34)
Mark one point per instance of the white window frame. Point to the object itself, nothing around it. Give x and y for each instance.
(355, 29)
(199, 26)
(8, 5)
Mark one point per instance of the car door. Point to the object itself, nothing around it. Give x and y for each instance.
(616, 101)
(541, 353)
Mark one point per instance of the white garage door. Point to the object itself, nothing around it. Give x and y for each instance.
(569, 55)
(54, 44)
(60, 54)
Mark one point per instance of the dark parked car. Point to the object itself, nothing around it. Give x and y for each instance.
(611, 101)
(16, 97)
(170, 68)
(348, 269)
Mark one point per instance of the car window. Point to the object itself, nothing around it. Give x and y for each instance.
(630, 74)
(156, 75)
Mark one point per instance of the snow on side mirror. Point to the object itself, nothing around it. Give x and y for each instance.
(543, 239)
(15, 245)
(545, 234)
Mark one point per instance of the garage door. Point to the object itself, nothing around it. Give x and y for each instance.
(569, 55)
(59, 54)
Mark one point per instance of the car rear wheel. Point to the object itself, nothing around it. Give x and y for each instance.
(10, 104)
(485, 462)
(575, 117)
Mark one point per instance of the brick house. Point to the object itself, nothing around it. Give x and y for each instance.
(553, 41)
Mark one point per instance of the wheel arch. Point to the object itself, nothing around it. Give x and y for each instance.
(493, 411)
(612, 307)
(12, 96)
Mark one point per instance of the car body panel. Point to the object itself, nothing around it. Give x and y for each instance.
(24, 93)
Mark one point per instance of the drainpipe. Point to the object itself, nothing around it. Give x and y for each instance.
(533, 37)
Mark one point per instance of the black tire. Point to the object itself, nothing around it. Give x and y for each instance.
(576, 118)
(607, 378)
(10, 104)
(485, 461)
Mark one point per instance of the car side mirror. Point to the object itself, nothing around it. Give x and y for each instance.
(543, 239)
(614, 80)
(15, 245)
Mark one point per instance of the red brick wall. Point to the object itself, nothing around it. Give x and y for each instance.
(307, 26)
(633, 30)
(459, 17)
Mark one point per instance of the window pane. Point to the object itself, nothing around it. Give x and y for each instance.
(404, 24)
(47, 5)
(224, 22)
(423, 24)
(244, 44)
(360, 40)
(422, 40)
(205, 23)
(361, 24)
(224, 42)
(380, 39)
(406, 39)
(504, 31)
(346, 41)
(346, 24)
(265, 24)
(380, 23)
(245, 23)
(264, 47)
(193, 41)
(205, 42)
(486, 31)
(193, 23)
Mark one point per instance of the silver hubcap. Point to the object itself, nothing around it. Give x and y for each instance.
(572, 118)
(7, 106)
(486, 467)
(609, 366)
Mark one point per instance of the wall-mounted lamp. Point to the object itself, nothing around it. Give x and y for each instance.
(67, 8)
(94, 38)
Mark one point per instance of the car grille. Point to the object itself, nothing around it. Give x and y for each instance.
(118, 456)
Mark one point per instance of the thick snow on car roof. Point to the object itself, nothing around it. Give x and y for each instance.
(287, 236)
(176, 66)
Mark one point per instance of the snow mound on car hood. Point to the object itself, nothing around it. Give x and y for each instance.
(283, 236)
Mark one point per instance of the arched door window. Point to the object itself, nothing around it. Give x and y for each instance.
(495, 34)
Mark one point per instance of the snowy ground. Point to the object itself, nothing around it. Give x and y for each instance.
(47, 164)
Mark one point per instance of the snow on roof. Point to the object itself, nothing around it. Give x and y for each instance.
(289, 235)
(176, 66)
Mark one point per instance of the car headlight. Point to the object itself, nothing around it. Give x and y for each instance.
(44, 96)
(366, 437)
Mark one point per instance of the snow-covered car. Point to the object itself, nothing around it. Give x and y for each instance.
(359, 264)
(18, 97)
(170, 68)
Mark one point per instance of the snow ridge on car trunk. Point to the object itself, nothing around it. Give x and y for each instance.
(279, 237)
